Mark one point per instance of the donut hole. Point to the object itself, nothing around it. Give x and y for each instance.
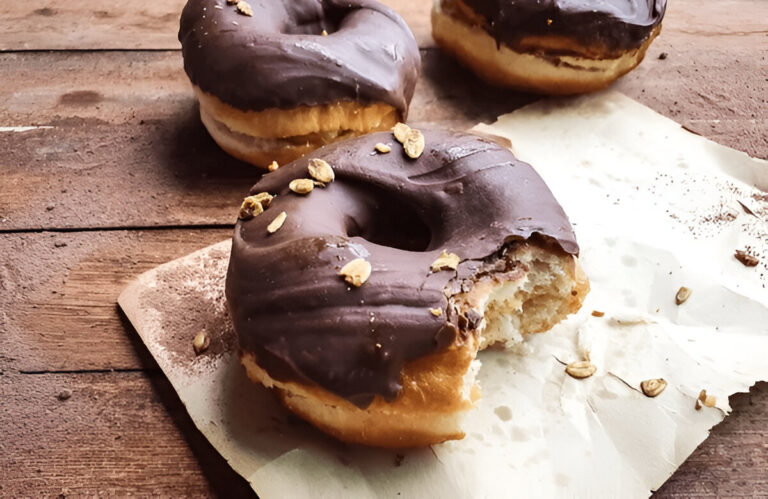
(326, 18)
(393, 224)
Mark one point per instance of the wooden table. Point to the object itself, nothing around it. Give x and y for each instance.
(116, 175)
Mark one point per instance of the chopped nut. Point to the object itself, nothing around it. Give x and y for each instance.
(437, 312)
(264, 198)
(400, 131)
(273, 166)
(301, 185)
(278, 222)
(383, 148)
(682, 295)
(653, 387)
(201, 342)
(356, 272)
(321, 171)
(745, 258)
(250, 208)
(597, 313)
(414, 143)
(318, 184)
(244, 8)
(446, 261)
(707, 400)
(324, 33)
(580, 369)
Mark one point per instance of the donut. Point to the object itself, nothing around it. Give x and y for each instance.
(371, 272)
(548, 46)
(277, 79)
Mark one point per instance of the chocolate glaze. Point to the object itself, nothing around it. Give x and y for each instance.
(465, 194)
(614, 24)
(278, 59)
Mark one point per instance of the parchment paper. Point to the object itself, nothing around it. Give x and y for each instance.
(655, 208)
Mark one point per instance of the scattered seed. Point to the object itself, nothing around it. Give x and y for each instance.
(324, 33)
(65, 394)
(653, 387)
(273, 166)
(278, 222)
(745, 258)
(244, 8)
(201, 343)
(414, 143)
(383, 148)
(437, 312)
(356, 272)
(446, 261)
(321, 171)
(663, 56)
(597, 313)
(682, 295)
(301, 185)
(250, 208)
(400, 131)
(580, 369)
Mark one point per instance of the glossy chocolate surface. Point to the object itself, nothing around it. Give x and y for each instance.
(465, 194)
(614, 24)
(278, 58)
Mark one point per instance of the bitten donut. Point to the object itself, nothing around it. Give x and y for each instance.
(548, 46)
(362, 283)
(277, 79)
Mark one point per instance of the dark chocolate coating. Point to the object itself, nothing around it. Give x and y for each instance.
(465, 194)
(278, 59)
(614, 24)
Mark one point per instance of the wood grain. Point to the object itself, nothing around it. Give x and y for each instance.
(58, 294)
(117, 434)
(133, 146)
(153, 24)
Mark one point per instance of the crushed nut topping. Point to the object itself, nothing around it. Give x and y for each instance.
(201, 342)
(580, 369)
(264, 198)
(273, 166)
(244, 8)
(597, 313)
(414, 143)
(356, 272)
(682, 295)
(250, 208)
(383, 148)
(745, 258)
(437, 312)
(653, 387)
(707, 400)
(446, 261)
(301, 185)
(321, 171)
(400, 131)
(278, 222)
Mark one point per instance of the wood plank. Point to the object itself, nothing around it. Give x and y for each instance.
(134, 147)
(58, 294)
(128, 433)
(152, 24)
(118, 434)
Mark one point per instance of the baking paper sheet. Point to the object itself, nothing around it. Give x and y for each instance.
(655, 208)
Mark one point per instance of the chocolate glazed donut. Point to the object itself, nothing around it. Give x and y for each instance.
(295, 75)
(388, 363)
(548, 46)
